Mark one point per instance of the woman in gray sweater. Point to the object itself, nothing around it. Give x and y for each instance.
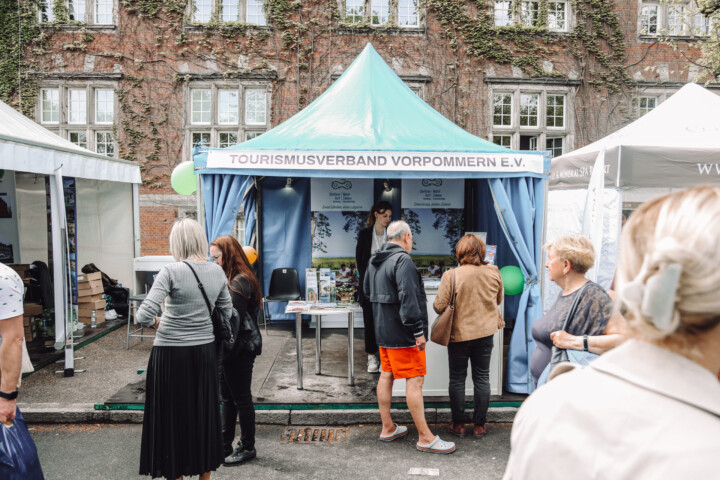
(181, 428)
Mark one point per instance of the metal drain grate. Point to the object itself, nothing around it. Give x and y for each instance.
(314, 435)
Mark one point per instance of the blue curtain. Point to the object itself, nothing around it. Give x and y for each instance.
(286, 236)
(223, 195)
(519, 207)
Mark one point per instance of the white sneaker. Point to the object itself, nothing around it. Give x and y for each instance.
(373, 364)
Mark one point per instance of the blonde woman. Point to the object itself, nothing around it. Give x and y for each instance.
(589, 329)
(181, 429)
(651, 407)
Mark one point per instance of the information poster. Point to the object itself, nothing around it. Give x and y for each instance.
(433, 193)
(9, 241)
(341, 194)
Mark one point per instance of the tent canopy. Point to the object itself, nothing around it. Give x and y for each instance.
(370, 124)
(676, 144)
(26, 146)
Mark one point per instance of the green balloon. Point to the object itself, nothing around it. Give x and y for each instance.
(513, 280)
(183, 179)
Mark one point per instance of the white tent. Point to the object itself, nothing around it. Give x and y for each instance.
(107, 228)
(675, 145)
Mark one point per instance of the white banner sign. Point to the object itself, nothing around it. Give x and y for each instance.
(344, 194)
(433, 193)
(376, 161)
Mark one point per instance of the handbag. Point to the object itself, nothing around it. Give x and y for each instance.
(18, 455)
(560, 355)
(442, 326)
(225, 329)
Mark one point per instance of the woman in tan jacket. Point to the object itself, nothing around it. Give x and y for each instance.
(478, 292)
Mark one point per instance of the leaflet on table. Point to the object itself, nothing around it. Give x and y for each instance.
(326, 284)
(296, 306)
(311, 285)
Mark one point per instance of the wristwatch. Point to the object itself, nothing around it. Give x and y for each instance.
(586, 347)
(9, 396)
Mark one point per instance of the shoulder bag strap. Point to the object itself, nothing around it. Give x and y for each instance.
(202, 289)
(451, 302)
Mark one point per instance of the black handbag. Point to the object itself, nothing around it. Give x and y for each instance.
(225, 329)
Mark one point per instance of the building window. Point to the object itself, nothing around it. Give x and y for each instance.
(249, 11)
(557, 16)
(381, 12)
(530, 13)
(408, 13)
(529, 109)
(531, 117)
(81, 113)
(502, 140)
(645, 104)
(503, 13)
(222, 114)
(677, 19)
(97, 12)
(251, 135)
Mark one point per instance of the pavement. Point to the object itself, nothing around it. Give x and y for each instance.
(48, 397)
(110, 452)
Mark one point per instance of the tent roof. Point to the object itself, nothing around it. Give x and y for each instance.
(26, 146)
(660, 149)
(370, 111)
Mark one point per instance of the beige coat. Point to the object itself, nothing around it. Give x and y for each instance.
(638, 412)
(479, 291)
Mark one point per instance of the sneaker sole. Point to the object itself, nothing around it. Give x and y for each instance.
(432, 450)
(393, 437)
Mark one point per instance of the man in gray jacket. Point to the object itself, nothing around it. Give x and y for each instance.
(394, 287)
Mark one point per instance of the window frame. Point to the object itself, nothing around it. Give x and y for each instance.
(519, 16)
(541, 132)
(215, 128)
(91, 126)
(688, 20)
(89, 14)
(215, 12)
(393, 15)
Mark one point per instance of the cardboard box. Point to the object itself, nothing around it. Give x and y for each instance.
(87, 277)
(100, 315)
(90, 288)
(31, 309)
(89, 298)
(85, 309)
(30, 333)
(27, 321)
(21, 268)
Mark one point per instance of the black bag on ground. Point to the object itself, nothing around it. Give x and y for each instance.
(225, 329)
(118, 299)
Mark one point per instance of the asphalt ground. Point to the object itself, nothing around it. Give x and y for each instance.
(110, 452)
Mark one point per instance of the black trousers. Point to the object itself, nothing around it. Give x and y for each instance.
(371, 346)
(478, 353)
(236, 398)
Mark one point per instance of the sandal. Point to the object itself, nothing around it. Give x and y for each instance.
(437, 446)
(400, 431)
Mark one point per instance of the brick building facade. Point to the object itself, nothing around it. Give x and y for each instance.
(146, 79)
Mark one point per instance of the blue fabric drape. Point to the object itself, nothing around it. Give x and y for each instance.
(249, 201)
(222, 194)
(286, 236)
(519, 206)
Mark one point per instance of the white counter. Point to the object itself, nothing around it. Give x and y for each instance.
(436, 380)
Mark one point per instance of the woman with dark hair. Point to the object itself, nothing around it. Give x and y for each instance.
(370, 239)
(236, 372)
(478, 292)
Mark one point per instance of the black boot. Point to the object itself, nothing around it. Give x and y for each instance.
(240, 455)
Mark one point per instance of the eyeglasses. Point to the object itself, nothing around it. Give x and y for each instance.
(215, 257)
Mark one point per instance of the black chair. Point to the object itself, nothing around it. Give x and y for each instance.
(284, 286)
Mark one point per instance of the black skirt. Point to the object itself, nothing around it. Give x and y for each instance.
(181, 428)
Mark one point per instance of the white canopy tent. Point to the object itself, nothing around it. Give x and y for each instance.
(107, 206)
(674, 146)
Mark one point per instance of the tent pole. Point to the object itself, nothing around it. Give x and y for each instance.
(259, 230)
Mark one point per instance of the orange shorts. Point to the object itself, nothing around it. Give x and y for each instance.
(406, 362)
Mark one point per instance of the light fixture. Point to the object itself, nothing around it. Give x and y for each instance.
(289, 183)
(387, 186)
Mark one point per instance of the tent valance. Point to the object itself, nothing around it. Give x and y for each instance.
(26, 146)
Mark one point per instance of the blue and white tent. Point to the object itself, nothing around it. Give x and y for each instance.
(369, 124)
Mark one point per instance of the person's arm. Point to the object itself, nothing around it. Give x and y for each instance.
(443, 294)
(11, 331)
(411, 312)
(611, 337)
(151, 306)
